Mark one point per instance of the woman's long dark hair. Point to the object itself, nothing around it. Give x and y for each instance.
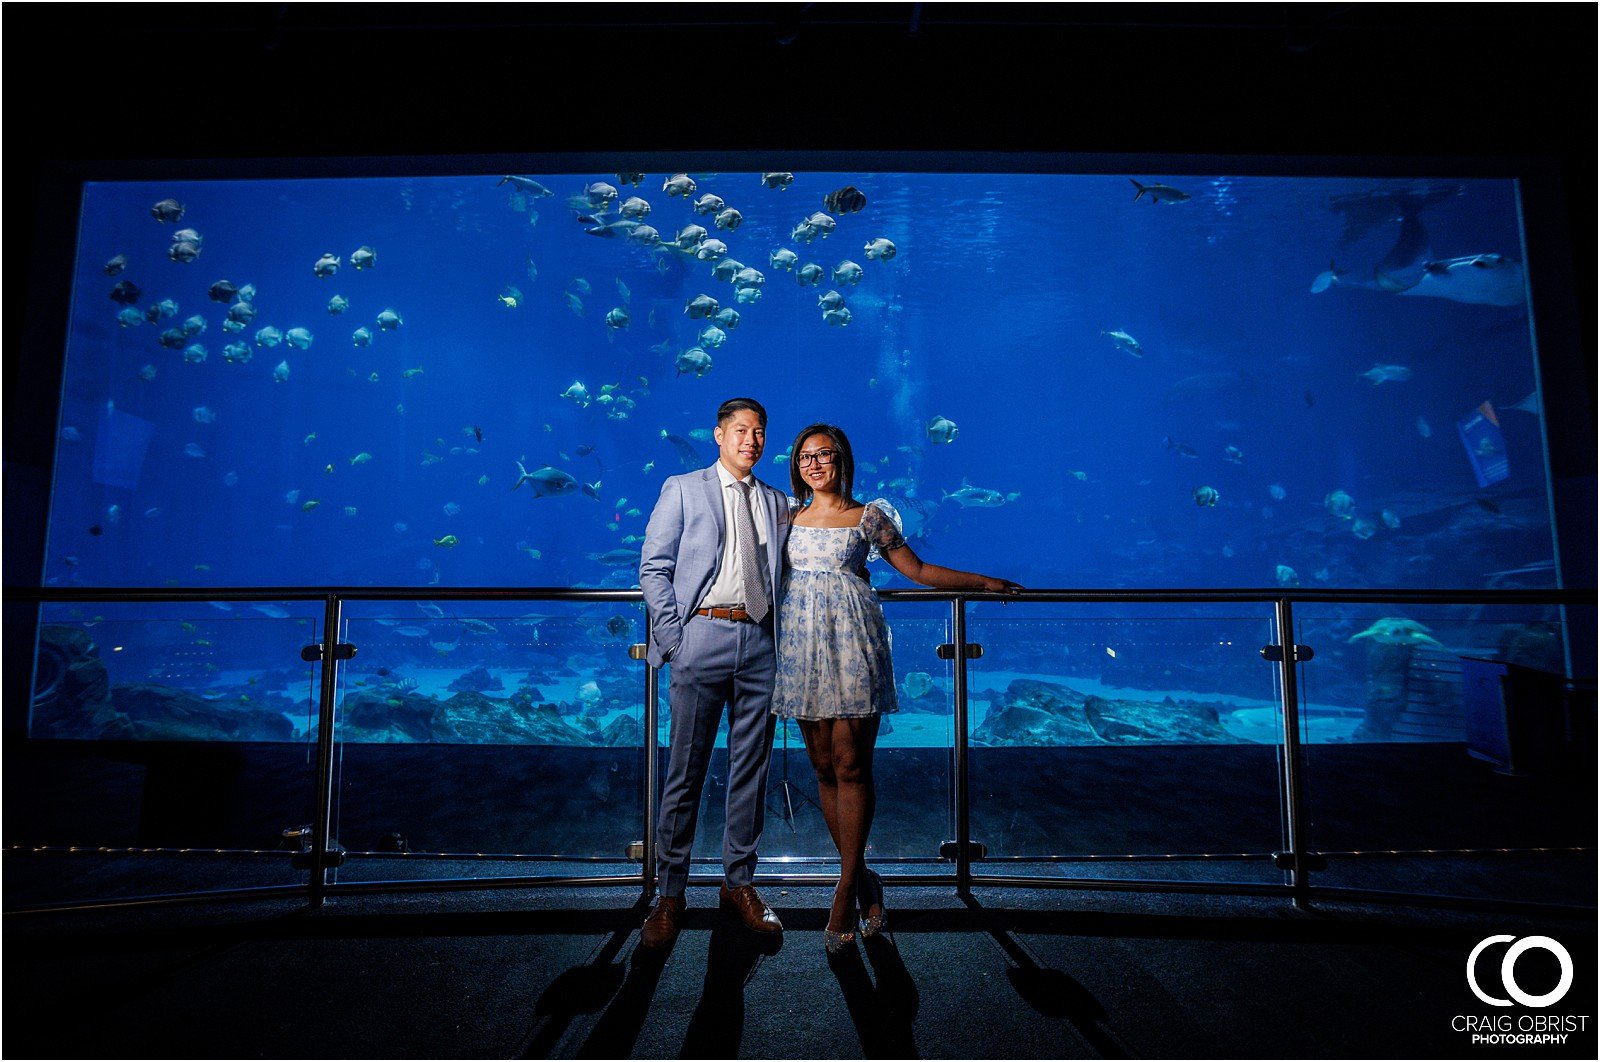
(845, 462)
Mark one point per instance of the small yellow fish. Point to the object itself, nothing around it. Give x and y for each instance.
(328, 469)
(310, 438)
(373, 378)
(409, 373)
(186, 625)
(483, 481)
(244, 698)
(447, 541)
(306, 507)
(360, 459)
(531, 552)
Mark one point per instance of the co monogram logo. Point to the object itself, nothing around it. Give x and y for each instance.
(1508, 970)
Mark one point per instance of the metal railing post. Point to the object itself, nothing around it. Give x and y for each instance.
(958, 620)
(332, 617)
(1293, 795)
(652, 758)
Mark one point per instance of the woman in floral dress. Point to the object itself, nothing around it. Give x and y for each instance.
(835, 676)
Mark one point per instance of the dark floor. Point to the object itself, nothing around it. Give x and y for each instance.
(556, 973)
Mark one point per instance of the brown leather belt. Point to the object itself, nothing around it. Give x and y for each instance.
(738, 615)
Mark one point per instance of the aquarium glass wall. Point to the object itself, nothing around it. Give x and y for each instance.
(486, 731)
(1108, 380)
(179, 734)
(1128, 741)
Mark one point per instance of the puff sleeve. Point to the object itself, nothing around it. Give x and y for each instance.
(881, 527)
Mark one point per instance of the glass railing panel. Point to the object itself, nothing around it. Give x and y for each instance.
(166, 748)
(1462, 770)
(1125, 741)
(478, 739)
(912, 769)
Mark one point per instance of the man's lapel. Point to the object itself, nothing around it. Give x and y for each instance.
(713, 488)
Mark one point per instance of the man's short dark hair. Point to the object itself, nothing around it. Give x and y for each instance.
(726, 411)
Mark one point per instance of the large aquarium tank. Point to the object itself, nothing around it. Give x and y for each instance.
(1081, 381)
(1098, 380)
(1105, 381)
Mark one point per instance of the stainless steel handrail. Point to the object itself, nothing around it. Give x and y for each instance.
(1566, 596)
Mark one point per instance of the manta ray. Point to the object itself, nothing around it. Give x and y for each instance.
(1485, 279)
(1364, 211)
(1489, 279)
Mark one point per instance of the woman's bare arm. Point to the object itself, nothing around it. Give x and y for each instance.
(913, 567)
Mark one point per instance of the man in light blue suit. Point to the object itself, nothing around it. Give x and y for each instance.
(709, 569)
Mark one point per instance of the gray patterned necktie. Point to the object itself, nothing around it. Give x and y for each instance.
(753, 571)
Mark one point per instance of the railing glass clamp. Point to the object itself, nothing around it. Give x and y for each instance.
(303, 859)
(312, 653)
(1308, 861)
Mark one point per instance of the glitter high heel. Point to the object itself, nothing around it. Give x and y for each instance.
(835, 941)
(871, 925)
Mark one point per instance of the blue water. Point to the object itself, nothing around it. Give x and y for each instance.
(991, 314)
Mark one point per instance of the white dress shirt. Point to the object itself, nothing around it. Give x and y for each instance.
(728, 589)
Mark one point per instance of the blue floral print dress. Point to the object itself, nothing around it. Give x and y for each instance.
(833, 653)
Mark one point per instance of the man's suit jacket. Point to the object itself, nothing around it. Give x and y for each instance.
(683, 552)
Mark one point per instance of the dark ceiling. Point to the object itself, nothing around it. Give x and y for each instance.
(185, 80)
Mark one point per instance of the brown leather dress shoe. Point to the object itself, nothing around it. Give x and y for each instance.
(746, 904)
(661, 928)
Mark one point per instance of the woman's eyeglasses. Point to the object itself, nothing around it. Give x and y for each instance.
(821, 457)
